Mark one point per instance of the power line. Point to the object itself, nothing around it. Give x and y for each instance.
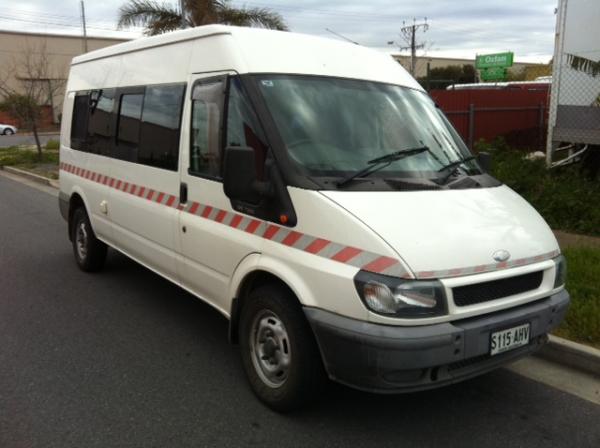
(303, 10)
(44, 14)
(8, 18)
(342, 36)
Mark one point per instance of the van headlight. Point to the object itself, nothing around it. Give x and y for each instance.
(560, 268)
(396, 297)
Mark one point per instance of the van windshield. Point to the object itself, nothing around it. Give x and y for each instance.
(333, 127)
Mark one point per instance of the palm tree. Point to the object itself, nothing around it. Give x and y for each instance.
(162, 17)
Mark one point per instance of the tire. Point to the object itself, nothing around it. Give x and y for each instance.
(89, 251)
(8, 131)
(272, 324)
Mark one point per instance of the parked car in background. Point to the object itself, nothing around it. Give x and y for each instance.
(7, 129)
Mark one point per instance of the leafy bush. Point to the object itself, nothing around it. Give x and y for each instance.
(563, 196)
(53, 144)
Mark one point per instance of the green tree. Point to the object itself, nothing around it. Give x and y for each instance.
(159, 18)
(442, 77)
(27, 84)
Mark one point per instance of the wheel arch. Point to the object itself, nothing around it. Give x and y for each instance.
(256, 270)
(76, 200)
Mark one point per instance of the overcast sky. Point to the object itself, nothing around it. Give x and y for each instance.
(459, 28)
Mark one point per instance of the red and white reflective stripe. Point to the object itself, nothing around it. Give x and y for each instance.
(321, 247)
(362, 259)
(457, 272)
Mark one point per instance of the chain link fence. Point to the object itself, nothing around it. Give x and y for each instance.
(575, 109)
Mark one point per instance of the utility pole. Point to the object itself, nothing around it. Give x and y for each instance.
(183, 23)
(85, 44)
(409, 33)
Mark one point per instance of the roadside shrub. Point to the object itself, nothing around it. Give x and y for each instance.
(53, 144)
(563, 196)
(582, 322)
(15, 156)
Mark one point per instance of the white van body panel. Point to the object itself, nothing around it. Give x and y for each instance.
(337, 245)
(465, 227)
(145, 229)
(451, 229)
(245, 50)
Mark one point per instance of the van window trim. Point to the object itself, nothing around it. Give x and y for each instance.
(119, 92)
(134, 90)
(87, 117)
(183, 84)
(225, 78)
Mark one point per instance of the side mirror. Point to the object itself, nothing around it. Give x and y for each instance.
(239, 174)
(485, 161)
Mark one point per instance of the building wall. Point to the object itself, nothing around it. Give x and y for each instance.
(421, 64)
(60, 50)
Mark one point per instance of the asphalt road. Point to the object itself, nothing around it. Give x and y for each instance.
(125, 359)
(22, 139)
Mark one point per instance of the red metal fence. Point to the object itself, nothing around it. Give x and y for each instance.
(517, 114)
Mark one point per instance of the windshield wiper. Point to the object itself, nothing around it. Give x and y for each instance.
(453, 166)
(379, 163)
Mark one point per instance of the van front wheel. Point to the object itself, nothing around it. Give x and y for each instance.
(279, 352)
(89, 251)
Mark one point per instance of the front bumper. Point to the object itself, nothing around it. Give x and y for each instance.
(383, 358)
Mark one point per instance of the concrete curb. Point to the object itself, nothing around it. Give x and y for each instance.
(572, 354)
(41, 134)
(31, 176)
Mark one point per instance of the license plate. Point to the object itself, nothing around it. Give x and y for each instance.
(509, 339)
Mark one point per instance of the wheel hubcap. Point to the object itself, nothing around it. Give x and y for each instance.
(270, 348)
(81, 238)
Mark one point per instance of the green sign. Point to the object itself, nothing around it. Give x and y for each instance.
(494, 60)
(493, 74)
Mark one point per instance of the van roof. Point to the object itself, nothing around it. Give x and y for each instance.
(268, 51)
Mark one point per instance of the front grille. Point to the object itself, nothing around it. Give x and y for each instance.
(496, 289)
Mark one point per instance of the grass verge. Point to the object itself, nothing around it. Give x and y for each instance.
(27, 159)
(582, 323)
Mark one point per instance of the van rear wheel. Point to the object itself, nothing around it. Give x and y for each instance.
(279, 352)
(89, 251)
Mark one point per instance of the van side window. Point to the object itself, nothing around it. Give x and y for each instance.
(100, 127)
(160, 129)
(243, 128)
(79, 122)
(205, 141)
(128, 134)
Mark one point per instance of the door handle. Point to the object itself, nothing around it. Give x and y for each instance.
(183, 193)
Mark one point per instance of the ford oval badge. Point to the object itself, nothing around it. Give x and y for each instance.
(501, 255)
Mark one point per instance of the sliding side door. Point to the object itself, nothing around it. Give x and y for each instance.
(144, 189)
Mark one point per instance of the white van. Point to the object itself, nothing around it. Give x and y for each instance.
(310, 191)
